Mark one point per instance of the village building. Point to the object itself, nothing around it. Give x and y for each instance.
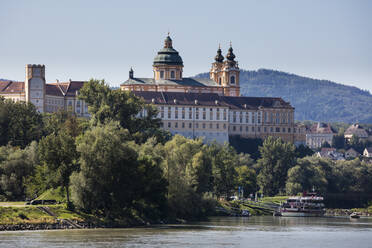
(351, 153)
(330, 153)
(319, 134)
(367, 152)
(355, 130)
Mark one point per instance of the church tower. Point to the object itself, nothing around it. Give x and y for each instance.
(226, 73)
(216, 71)
(168, 63)
(35, 86)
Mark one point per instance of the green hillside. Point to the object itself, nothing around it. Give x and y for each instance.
(317, 100)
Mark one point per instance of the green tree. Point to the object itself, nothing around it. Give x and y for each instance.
(338, 140)
(303, 151)
(224, 162)
(122, 106)
(277, 157)
(63, 121)
(114, 180)
(20, 123)
(58, 155)
(247, 180)
(15, 165)
(183, 166)
(152, 188)
(306, 175)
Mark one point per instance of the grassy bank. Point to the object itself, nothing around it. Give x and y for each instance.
(11, 215)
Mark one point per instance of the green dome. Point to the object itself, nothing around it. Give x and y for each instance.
(168, 55)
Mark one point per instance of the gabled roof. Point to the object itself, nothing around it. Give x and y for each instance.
(53, 90)
(12, 87)
(356, 130)
(351, 150)
(323, 128)
(198, 82)
(64, 88)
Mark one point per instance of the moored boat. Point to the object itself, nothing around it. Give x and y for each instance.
(308, 205)
(355, 215)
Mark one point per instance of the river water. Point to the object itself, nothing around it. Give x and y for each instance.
(265, 231)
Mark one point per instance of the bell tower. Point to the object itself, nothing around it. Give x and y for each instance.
(226, 72)
(216, 71)
(35, 86)
(231, 74)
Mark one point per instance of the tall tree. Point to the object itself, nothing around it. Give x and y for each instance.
(224, 162)
(58, 155)
(122, 106)
(20, 123)
(15, 166)
(306, 175)
(114, 180)
(276, 158)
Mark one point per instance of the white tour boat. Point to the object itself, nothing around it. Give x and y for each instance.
(308, 205)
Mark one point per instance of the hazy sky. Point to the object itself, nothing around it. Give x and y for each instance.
(103, 39)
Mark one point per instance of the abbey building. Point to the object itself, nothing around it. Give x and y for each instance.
(211, 108)
(193, 107)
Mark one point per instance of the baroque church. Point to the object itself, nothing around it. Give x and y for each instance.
(168, 68)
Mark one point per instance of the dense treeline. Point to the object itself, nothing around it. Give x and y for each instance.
(317, 100)
(119, 164)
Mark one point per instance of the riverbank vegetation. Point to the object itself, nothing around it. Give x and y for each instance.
(119, 165)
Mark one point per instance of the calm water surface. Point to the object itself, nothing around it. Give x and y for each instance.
(264, 231)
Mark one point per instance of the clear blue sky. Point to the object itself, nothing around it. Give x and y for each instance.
(103, 39)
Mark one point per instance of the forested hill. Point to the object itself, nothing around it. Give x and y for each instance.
(316, 100)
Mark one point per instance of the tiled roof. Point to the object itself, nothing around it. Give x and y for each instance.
(53, 90)
(211, 99)
(64, 88)
(356, 130)
(198, 82)
(12, 87)
(239, 102)
(74, 87)
(323, 128)
(328, 149)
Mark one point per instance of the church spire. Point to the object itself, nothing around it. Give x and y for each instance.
(219, 58)
(230, 56)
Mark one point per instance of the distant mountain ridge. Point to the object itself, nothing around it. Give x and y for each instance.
(314, 99)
